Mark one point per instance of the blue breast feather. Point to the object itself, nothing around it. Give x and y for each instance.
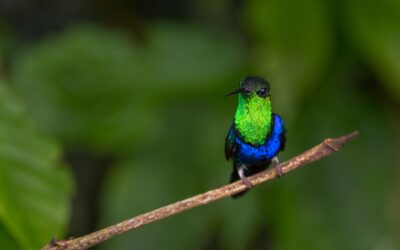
(248, 153)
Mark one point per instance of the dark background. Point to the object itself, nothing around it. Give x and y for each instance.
(109, 109)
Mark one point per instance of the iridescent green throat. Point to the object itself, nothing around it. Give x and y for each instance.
(253, 118)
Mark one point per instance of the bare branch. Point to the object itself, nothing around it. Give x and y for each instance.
(327, 147)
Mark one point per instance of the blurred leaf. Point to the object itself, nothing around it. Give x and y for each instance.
(292, 46)
(95, 88)
(34, 195)
(373, 27)
(79, 87)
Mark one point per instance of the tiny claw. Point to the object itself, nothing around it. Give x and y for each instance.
(277, 166)
(244, 179)
(278, 170)
(247, 183)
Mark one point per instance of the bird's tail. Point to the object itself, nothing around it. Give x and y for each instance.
(249, 171)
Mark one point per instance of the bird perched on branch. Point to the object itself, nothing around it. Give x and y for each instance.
(256, 135)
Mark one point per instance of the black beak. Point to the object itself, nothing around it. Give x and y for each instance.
(237, 91)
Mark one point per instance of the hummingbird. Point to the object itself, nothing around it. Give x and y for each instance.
(257, 134)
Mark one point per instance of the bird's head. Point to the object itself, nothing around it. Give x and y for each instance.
(252, 87)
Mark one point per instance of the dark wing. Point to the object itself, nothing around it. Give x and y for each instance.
(282, 137)
(230, 144)
(279, 129)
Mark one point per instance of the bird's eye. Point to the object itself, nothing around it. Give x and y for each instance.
(262, 92)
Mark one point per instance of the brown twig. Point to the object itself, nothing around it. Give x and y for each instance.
(327, 147)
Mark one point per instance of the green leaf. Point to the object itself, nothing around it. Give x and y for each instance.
(79, 87)
(34, 189)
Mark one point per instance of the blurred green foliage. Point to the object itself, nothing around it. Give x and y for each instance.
(156, 105)
(373, 29)
(34, 188)
(92, 87)
(293, 45)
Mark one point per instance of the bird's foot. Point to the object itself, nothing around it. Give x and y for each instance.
(277, 166)
(244, 179)
(246, 182)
